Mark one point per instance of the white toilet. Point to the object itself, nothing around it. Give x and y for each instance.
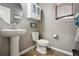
(41, 43)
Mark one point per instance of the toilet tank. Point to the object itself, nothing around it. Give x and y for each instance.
(35, 36)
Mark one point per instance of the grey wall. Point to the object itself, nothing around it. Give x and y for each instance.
(66, 29)
(48, 26)
(76, 7)
(4, 42)
(26, 39)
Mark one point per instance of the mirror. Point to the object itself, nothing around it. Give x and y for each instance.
(11, 12)
(5, 14)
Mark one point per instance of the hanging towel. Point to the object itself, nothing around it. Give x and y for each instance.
(77, 19)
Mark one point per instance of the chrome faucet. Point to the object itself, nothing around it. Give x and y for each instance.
(14, 25)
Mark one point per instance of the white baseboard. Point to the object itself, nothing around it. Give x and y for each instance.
(26, 50)
(60, 50)
(57, 49)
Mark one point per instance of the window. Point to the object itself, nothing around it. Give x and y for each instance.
(64, 10)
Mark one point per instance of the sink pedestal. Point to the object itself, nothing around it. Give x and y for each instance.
(14, 45)
(14, 35)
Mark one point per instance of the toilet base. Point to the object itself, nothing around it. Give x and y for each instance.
(41, 49)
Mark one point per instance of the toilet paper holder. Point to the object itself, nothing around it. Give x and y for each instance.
(55, 36)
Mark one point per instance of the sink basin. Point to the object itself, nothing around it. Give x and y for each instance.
(14, 35)
(12, 32)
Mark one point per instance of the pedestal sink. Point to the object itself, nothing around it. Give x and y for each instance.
(14, 35)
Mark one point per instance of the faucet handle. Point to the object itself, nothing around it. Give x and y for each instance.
(14, 23)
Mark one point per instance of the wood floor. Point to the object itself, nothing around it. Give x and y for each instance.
(50, 52)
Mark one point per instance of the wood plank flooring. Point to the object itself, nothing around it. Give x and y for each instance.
(50, 52)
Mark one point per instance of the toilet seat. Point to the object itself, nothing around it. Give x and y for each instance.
(43, 41)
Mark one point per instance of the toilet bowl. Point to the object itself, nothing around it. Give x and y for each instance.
(41, 44)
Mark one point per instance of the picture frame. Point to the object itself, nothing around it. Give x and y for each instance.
(68, 11)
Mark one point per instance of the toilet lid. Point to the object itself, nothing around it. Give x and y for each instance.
(43, 41)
